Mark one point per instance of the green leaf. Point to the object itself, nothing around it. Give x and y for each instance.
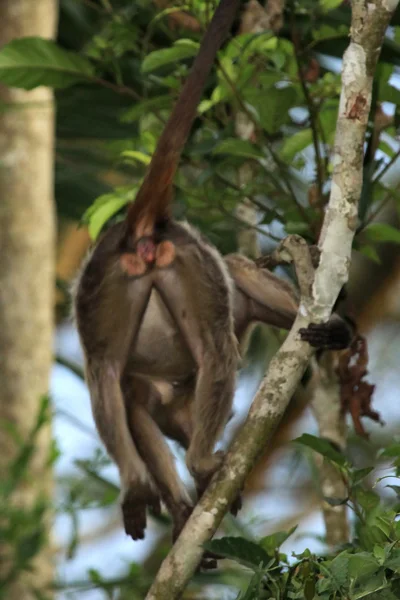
(367, 499)
(145, 107)
(236, 147)
(237, 548)
(392, 451)
(371, 253)
(360, 474)
(32, 61)
(136, 156)
(393, 562)
(381, 232)
(322, 447)
(379, 554)
(327, 5)
(179, 51)
(295, 143)
(105, 207)
(274, 113)
(339, 568)
(272, 542)
(362, 565)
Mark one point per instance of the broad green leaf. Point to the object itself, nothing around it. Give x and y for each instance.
(369, 535)
(179, 51)
(360, 474)
(393, 562)
(379, 554)
(33, 61)
(237, 548)
(362, 565)
(392, 451)
(271, 542)
(294, 144)
(367, 499)
(104, 208)
(322, 447)
(370, 252)
(236, 147)
(381, 232)
(136, 156)
(272, 105)
(339, 568)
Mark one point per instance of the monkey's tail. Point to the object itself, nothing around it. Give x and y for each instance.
(155, 194)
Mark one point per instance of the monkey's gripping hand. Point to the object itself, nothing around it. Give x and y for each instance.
(134, 505)
(336, 334)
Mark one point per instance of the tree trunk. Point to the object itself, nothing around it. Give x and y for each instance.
(27, 233)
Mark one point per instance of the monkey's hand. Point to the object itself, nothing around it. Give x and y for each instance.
(135, 501)
(336, 334)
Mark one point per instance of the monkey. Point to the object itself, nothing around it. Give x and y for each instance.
(160, 314)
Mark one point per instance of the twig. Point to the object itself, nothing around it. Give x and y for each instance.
(313, 112)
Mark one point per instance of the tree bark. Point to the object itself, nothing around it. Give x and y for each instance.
(27, 275)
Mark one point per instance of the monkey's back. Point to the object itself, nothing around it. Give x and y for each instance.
(104, 299)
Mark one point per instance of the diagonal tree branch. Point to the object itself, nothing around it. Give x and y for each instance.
(369, 23)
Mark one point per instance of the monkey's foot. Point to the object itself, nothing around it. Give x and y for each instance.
(180, 515)
(333, 335)
(134, 505)
(203, 469)
(236, 505)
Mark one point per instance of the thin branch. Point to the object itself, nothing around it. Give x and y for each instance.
(387, 167)
(313, 111)
(372, 216)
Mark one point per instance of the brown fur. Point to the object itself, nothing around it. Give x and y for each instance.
(159, 322)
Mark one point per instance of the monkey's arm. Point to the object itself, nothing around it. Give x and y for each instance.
(262, 297)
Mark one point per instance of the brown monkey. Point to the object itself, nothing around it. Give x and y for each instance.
(159, 313)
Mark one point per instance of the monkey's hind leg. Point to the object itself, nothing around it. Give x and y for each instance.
(208, 331)
(109, 310)
(156, 454)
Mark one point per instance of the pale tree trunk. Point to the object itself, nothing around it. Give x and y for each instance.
(27, 233)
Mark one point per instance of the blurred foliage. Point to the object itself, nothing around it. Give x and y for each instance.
(368, 567)
(23, 529)
(117, 69)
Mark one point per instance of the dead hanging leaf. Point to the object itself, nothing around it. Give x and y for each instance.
(356, 393)
(312, 71)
